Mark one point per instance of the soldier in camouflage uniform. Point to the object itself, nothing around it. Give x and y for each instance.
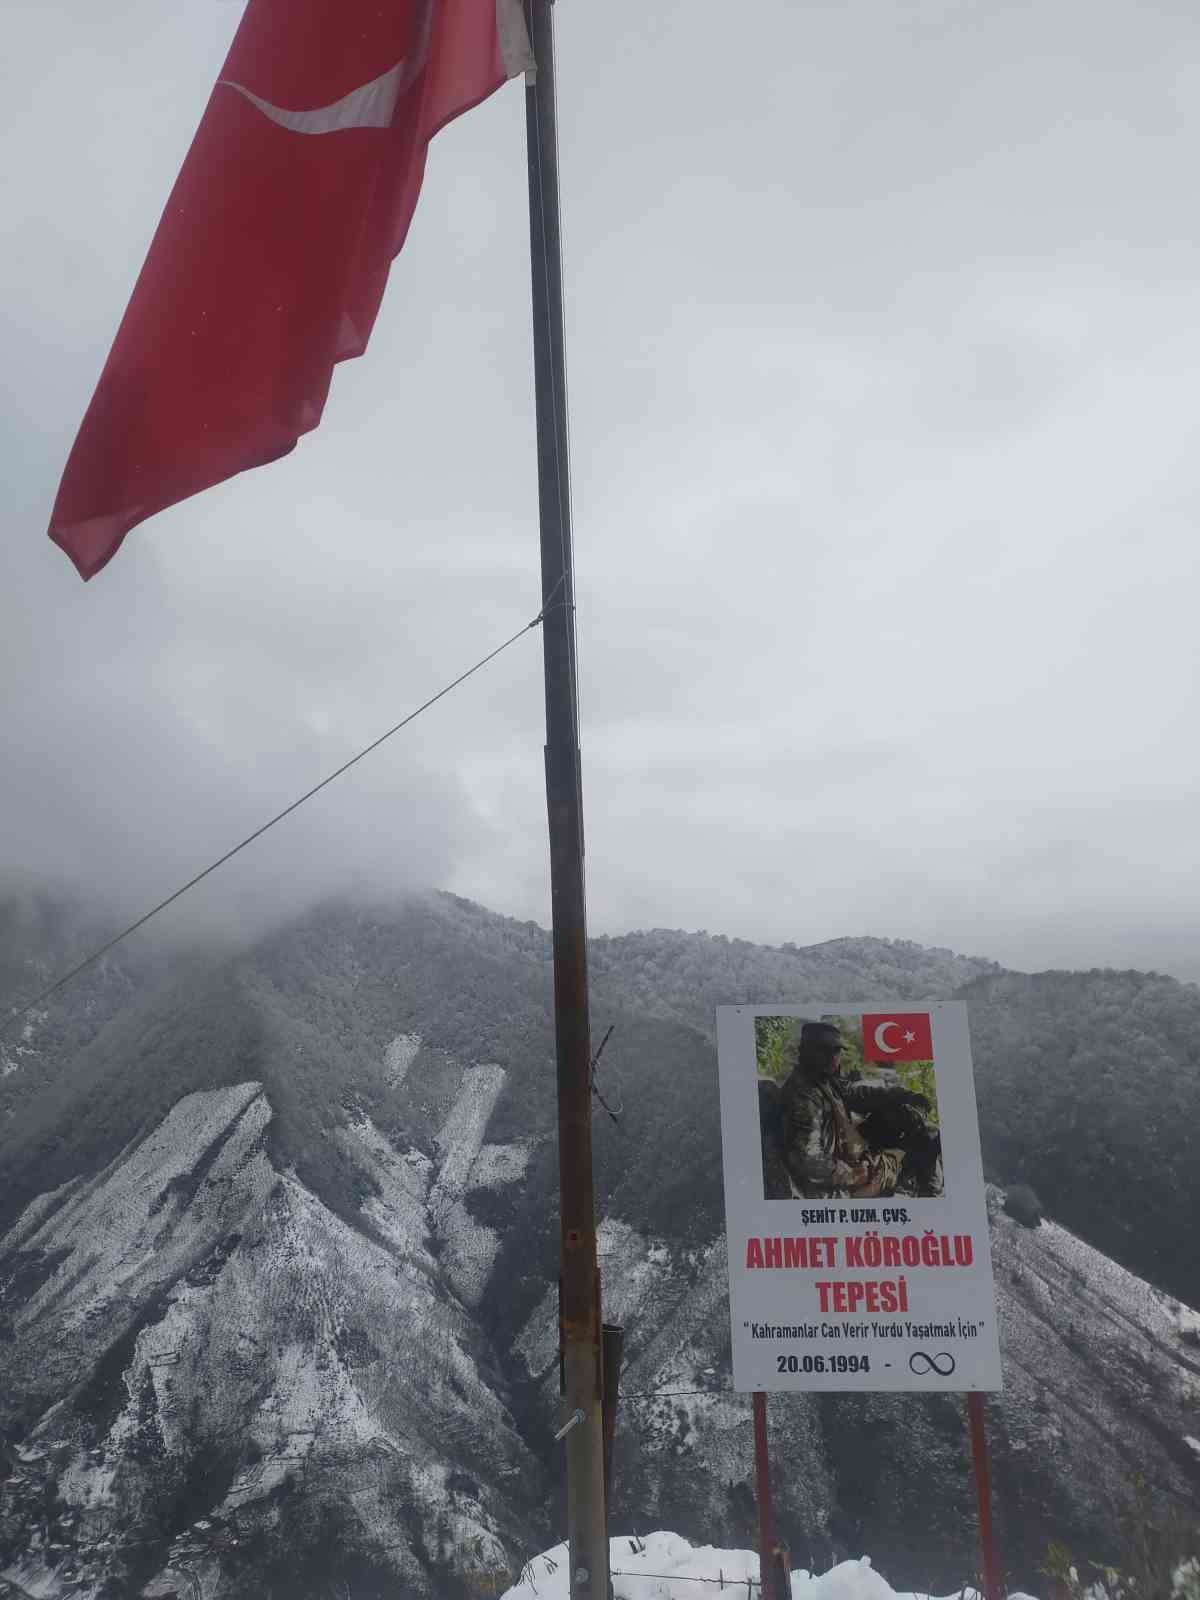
(825, 1155)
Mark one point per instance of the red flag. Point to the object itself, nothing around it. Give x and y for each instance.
(897, 1036)
(270, 260)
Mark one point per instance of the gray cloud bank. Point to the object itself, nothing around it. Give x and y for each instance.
(884, 354)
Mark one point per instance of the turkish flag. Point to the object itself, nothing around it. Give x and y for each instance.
(897, 1036)
(269, 263)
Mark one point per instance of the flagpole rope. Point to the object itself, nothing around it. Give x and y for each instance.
(15, 1013)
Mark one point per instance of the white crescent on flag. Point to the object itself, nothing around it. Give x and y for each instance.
(373, 105)
(881, 1043)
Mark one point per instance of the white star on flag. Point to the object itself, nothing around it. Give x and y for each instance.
(909, 1038)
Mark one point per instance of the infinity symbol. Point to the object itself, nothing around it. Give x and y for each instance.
(942, 1364)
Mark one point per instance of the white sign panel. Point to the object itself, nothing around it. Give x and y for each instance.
(854, 1200)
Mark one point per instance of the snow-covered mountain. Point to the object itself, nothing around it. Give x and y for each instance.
(262, 1363)
(276, 1310)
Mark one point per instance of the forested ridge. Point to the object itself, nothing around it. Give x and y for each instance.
(1088, 1082)
(402, 1015)
(1089, 1091)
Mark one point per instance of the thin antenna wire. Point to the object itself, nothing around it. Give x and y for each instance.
(615, 1115)
(17, 1012)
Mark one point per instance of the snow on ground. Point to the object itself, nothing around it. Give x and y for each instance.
(662, 1566)
(36, 1212)
(676, 1350)
(403, 1178)
(470, 1247)
(415, 1199)
(116, 1234)
(1118, 1298)
(631, 1267)
(460, 1137)
(469, 1250)
(10, 1052)
(399, 1056)
(500, 1163)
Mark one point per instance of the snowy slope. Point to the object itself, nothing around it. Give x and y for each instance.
(1096, 1361)
(308, 1364)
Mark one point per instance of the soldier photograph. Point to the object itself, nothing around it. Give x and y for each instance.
(837, 1127)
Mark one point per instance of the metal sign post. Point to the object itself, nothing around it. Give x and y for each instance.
(766, 1510)
(983, 1495)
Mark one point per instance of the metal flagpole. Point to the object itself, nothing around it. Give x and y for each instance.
(579, 1295)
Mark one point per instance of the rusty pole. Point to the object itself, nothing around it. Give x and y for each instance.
(579, 1324)
(762, 1489)
(983, 1494)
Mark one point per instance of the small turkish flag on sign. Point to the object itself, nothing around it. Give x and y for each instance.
(897, 1036)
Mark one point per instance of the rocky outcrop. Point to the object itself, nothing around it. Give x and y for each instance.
(209, 1368)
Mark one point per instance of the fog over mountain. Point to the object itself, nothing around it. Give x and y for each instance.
(883, 367)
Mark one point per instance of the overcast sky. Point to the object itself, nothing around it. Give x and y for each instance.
(884, 354)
